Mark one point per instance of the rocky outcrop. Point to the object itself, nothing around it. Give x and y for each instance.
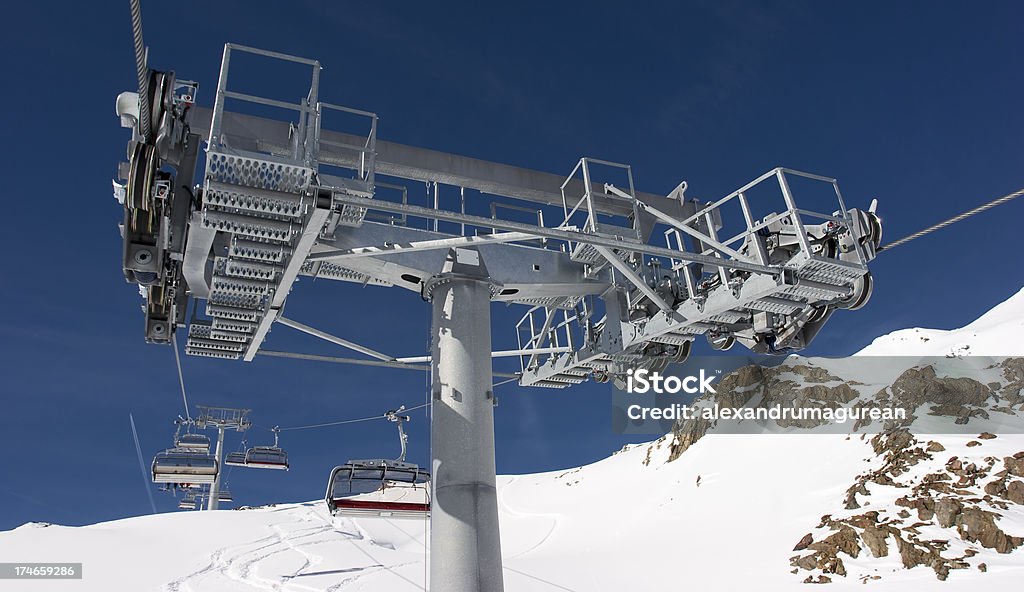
(948, 499)
(961, 495)
(919, 392)
(686, 434)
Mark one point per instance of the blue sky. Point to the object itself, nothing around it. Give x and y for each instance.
(915, 103)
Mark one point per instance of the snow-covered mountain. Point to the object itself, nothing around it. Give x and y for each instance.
(999, 332)
(696, 509)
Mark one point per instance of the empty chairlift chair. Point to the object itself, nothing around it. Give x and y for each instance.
(267, 457)
(380, 487)
(179, 465)
(236, 459)
(188, 502)
(197, 442)
(189, 462)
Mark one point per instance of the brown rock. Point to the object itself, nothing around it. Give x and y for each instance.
(1015, 465)
(865, 520)
(833, 565)
(687, 433)
(982, 567)
(987, 436)
(807, 540)
(876, 541)
(946, 511)
(979, 526)
(910, 555)
(996, 488)
(920, 385)
(973, 443)
(813, 373)
(925, 506)
(934, 446)
(1015, 491)
(807, 562)
(844, 540)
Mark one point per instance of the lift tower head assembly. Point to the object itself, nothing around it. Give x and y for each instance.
(613, 278)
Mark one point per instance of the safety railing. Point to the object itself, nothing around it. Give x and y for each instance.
(581, 189)
(543, 332)
(301, 149)
(364, 154)
(702, 228)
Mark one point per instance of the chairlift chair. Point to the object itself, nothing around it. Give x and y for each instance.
(224, 495)
(267, 457)
(188, 502)
(178, 465)
(235, 459)
(380, 487)
(191, 441)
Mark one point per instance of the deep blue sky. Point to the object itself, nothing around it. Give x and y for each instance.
(916, 103)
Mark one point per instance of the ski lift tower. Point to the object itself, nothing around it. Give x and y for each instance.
(220, 419)
(613, 278)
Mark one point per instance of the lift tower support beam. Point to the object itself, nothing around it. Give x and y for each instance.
(214, 502)
(465, 549)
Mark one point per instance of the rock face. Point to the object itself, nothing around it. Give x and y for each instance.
(919, 392)
(686, 435)
(947, 498)
(1015, 492)
(961, 495)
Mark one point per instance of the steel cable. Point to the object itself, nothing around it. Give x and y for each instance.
(996, 202)
(181, 379)
(141, 70)
(345, 421)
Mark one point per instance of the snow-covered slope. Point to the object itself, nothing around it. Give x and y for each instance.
(725, 515)
(999, 332)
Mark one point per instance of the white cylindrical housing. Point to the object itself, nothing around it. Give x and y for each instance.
(214, 501)
(465, 549)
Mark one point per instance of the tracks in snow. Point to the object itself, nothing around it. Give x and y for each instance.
(305, 552)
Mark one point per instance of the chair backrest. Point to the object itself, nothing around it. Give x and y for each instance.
(266, 455)
(356, 477)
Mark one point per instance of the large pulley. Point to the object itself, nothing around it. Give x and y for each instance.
(874, 226)
(862, 289)
(143, 167)
(682, 352)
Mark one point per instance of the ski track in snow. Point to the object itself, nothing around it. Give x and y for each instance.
(257, 564)
(508, 510)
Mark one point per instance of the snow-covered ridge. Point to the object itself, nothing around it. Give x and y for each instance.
(998, 332)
